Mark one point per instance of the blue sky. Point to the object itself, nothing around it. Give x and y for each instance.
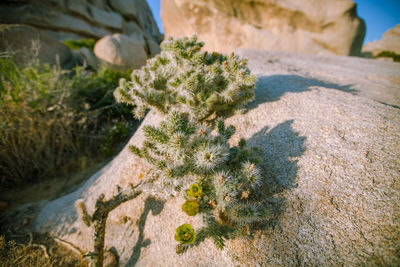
(379, 15)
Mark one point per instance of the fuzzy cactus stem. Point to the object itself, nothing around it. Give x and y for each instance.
(184, 78)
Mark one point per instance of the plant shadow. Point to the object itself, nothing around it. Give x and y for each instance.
(272, 88)
(155, 206)
(281, 146)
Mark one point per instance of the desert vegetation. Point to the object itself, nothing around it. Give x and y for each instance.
(190, 149)
(55, 122)
(389, 54)
(77, 44)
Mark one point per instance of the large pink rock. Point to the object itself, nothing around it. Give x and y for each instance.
(329, 129)
(308, 26)
(390, 42)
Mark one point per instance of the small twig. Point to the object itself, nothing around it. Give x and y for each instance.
(69, 245)
(43, 247)
(30, 239)
(32, 245)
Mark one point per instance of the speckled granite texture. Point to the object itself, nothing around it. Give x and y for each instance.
(329, 128)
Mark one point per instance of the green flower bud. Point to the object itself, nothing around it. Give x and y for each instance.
(190, 207)
(185, 234)
(194, 191)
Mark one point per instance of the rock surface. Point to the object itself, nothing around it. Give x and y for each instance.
(125, 52)
(329, 128)
(90, 19)
(390, 41)
(78, 19)
(24, 41)
(317, 27)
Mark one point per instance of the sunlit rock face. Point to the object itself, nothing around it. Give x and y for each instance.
(310, 26)
(390, 41)
(328, 130)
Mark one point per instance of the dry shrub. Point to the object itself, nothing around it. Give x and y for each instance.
(54, 122)
(35, 144)
(44, 252)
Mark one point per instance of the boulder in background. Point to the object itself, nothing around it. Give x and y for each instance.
(390, 42)
(78, 19)
(123, 51)
(309, 26)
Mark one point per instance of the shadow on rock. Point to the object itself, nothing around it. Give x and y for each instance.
(271, 88)
(280, 146)
(155, 206)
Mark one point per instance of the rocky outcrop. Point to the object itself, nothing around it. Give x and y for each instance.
(78, 18)
(24, 41)
(329, 129)
(317, 27)
(135, 38)
(390, 42)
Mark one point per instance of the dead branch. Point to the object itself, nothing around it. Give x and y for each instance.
(99, 218)
(68, 245)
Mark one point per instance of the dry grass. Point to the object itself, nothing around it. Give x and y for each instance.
(45, 253)
(55, 122)
(41, 144)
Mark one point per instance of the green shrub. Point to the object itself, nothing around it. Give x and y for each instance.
(77, 44)
(391, 54)
(52, 121)
(95, 89)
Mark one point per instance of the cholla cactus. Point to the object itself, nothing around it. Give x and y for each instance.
(185, 78)
(190, 87)
(180, 148)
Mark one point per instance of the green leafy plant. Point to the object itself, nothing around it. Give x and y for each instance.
(190, 148)
(184, 78)
(77, 44)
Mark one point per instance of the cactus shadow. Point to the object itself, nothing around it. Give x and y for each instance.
(155, 206)
(281, 147)
(272, 88)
